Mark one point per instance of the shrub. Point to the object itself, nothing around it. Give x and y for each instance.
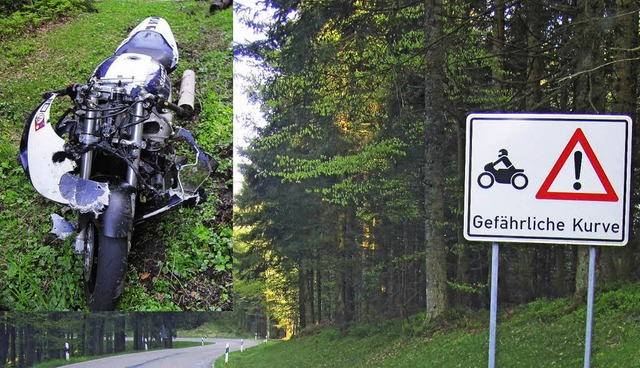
(20, 16)
(624, 299)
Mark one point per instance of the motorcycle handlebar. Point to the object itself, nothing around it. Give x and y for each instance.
(70, 91)
(182, 112)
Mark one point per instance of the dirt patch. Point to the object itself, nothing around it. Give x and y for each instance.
(224, 190)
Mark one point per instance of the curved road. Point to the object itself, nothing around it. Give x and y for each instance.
(196, 357)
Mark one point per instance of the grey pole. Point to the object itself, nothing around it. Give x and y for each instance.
(590, 292)
(494, 304)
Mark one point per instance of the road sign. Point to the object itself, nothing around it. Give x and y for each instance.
(548, 178)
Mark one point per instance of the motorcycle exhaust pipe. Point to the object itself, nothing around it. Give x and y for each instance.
(187, 91)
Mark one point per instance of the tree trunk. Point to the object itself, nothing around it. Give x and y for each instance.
(97, 335)
(435, 138)
(138, 336)
(348, 269)
(302, 297)
(590, 94)
(559, 286)
(312, 309)
(119, 344)
(4, 339)
(620, 260)
(319, 292)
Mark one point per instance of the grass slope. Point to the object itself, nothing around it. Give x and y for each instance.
(181, 261)
(541, 334)
(224, 326)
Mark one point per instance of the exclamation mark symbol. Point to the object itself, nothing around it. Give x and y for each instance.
(577, 160)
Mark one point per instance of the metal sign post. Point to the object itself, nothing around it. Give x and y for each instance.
(493, 314)
(590, 292)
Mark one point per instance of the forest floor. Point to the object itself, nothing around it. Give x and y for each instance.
(544, 333)
(179, 261)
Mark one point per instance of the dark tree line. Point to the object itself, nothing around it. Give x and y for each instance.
(353, 198)
(27, 338)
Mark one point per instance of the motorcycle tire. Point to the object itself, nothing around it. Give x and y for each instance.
(519, 181)
(104, 286)
(482, 180)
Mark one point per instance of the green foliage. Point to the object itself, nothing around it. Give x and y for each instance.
(206, 249)
(468, 288)
(38, 275)
(144, 300)
(21, 17)
(54, 287)
(372, 157)
(624, 298)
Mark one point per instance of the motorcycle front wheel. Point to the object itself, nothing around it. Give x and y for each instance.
(519, 181)
(105, 269)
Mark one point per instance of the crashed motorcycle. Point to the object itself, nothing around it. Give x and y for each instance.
(115, 157)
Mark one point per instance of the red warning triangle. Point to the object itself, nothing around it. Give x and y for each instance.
(609, 195)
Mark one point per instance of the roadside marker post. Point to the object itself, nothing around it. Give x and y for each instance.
(242, 345)
(66, 351)
(202, 341)
(226, 355)
(547, 178)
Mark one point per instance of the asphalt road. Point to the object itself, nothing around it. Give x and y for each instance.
(196, 357)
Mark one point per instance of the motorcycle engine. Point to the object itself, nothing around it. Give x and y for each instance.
(131, 72)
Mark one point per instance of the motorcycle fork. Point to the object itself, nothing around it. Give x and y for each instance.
(136, 138)
(87, 136)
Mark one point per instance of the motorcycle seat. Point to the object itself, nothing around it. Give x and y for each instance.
(149, 43)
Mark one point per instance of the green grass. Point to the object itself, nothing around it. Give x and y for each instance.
(225, 326)
(541, 334)
(188, 267)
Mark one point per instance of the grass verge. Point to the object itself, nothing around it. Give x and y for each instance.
(545, 333)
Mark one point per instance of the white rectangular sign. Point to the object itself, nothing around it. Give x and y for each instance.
(548, 178)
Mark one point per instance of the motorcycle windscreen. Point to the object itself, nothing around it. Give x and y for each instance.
(39, 144)
(192, 176)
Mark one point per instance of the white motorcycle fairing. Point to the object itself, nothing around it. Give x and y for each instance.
(52, 178)
(39, 143)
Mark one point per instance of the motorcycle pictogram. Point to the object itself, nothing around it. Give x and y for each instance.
(508, 175)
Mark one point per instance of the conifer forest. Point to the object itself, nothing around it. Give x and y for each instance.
(352, 205)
